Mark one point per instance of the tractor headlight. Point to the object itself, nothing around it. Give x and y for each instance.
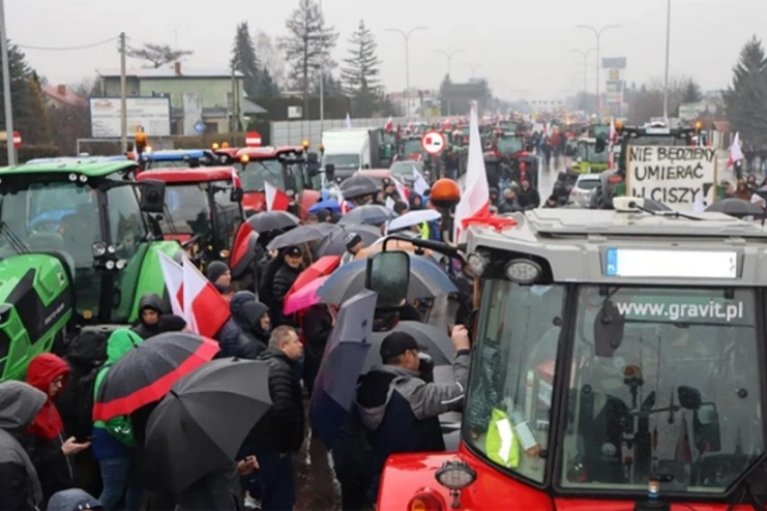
(455, 475)
(523, 271)
(98, 249)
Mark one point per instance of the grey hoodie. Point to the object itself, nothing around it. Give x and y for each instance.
(19, 404)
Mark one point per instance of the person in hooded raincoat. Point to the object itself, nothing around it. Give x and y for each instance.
(20, 488)
(153, 320)
(46, 443)
(113, 440)
(246, 333)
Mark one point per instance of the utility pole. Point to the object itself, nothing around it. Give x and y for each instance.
(7, 101)
(406, 36)
(123, 98)
(322, 82)
(449, 56)
(668, 55)
(598, 35)
(585, 55)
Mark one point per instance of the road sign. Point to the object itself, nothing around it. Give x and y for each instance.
(199, 127)
(253, 139)
(433, 142)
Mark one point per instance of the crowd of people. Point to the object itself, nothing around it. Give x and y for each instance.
(53, 454)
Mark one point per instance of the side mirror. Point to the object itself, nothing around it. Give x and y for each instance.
(236, 195)
(152, 196)
(689, 397)
(706, 434)
(388, 274)
(330, 172)
(608, 330)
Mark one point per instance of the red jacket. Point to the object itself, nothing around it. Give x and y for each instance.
(42, 370)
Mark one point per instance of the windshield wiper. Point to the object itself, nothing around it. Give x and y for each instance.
(665, 214)
(12, 238)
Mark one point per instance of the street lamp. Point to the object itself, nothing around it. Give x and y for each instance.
(668, 54)
(598, 34)
(585, 54)
(7, 88)
(449, 56)
(406, 36)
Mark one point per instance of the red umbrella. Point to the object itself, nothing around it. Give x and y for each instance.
(321, 267)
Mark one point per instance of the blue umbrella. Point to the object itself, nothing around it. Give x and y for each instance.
(342, 362)
(427, 279)
(330, 204)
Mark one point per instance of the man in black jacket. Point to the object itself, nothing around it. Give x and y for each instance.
(292, 265)
(280, 432)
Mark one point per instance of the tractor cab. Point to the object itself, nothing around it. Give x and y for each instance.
(177, 158)
(610, 369)
(410, 148)
(202, 209)
(287, 168)
(77, 248)
(592, 155)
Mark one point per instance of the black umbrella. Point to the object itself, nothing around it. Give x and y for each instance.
(433, 341)
(272, 221)
(736, 207)
(335, 242)
(299, 235)
(199, 427)
(427, 279)
(147, 372)
(371, 214)
(358, 185)
(342, 361)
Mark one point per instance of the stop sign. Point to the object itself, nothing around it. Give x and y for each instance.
(253, 139)
(16, 139)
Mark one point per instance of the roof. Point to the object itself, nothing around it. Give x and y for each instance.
(575, 242)
(77, 159)
(250, 107)
(267, 152)
(170, 72)
(196, 175)
(177, 155)
(91, 169)
(64, 95)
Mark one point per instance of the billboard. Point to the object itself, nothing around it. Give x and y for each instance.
(614, 63)
(152, 113)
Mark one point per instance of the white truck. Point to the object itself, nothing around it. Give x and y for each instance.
(349, 150)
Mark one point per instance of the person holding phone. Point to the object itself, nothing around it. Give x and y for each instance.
(48, 446)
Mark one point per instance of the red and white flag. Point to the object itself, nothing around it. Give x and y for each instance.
(173, 275)
(736, 152)
(402, 191)
(276, 199)
(236, 179)
(420, 186)
(205, 310)
(475, 196)
(389, 126)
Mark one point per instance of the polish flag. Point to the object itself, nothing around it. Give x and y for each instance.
(173, 275)
(206, 310)
(389, 126)
(404, 193)
(736, 152)
(276, 199)
(475, 196)
(235, 179)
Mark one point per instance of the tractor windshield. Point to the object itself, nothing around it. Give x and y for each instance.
(512, 375)
(509, 145)
(674, 394)
(588, 152)
(649, 403)
(187, 213)
(411, 146)
(256, 172)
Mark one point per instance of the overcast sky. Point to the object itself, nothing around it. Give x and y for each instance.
(523, 47)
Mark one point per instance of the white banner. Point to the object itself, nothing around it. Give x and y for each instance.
(683, 178)
(151, 113)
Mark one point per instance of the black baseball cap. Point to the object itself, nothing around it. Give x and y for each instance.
(397, 343)
(293, 251)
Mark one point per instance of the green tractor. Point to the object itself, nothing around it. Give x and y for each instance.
(77, 251)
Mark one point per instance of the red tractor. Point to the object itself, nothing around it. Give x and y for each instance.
(288, 168)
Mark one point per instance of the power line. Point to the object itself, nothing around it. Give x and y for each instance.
(67, 48)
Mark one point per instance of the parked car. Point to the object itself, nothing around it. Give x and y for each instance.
(584, 187)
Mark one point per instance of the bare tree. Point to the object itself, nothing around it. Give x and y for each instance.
(157, 54)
